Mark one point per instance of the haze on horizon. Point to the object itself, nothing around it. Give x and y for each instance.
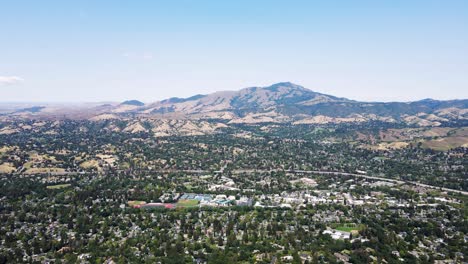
(89, 51)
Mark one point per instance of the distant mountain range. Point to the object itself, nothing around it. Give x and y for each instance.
(279, 103)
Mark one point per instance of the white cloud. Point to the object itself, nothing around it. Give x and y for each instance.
(9, 80)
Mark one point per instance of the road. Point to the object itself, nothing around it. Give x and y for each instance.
(296, 171)
(360, 176)
(382, 179)
(331, 173)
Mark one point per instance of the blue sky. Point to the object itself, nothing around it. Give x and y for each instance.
(79, 51)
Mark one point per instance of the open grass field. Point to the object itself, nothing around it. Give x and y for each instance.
(44, 170)
(436, 138)
(352, 228)
(7, 168)
(133, 203)
(58, 186)
(446, 143)
(187, 203)
(89, 164)
(387, 145)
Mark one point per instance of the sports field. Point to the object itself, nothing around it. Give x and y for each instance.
(353, 228)
(58, 186)
(187, 203)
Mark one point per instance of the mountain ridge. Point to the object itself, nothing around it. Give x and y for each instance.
(283, 102)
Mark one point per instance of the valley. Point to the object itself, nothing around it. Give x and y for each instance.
(278, 174)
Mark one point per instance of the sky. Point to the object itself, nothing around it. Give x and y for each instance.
(96, 51)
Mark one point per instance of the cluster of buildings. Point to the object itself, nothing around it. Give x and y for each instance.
(224, 184)
(195, 200)
(298, 199)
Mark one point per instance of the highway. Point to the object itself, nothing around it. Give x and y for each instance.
(360, 176)
(240, 171)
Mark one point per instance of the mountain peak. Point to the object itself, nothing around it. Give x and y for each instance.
(133, 102)
(289, 85)
(427, 100)
(285, 84)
